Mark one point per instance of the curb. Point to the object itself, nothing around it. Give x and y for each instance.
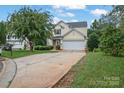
(3, 69)
(8, 73)
(52, 86)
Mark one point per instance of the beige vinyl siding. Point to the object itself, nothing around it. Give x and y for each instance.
(83, 30)
(63, 31)
(73, 36)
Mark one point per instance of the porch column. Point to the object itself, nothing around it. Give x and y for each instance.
(54, 44)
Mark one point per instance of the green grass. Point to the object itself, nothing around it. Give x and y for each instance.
(22, 53)
(98, 70)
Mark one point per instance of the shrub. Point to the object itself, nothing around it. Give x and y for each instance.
(58, 47)
(39, 47)
(93, 41)
(96, 50)
(112, 41)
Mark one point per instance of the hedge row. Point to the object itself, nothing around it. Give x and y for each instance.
(43, 47)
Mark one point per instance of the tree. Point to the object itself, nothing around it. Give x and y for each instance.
(114, 16)
(42, 42)
(112, 41)
(94, 34)
(2, 33)
(92, 41)
(112, 38)
(30, 24)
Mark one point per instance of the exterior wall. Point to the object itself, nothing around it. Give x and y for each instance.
(64, 30)
(83, 30)
(49, 42)
(73, 36)
(17, 43)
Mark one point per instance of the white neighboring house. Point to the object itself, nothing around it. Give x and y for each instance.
(17, 43)
(70, 36)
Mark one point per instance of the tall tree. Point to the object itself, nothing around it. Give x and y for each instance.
(114, 16)
(93, 35)
(112, 38)
(30, 24)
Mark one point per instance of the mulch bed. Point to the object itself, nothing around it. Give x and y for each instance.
(65, 81)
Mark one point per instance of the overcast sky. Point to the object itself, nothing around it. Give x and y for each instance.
(66, 13)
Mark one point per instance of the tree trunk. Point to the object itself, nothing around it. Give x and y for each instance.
(31, 45)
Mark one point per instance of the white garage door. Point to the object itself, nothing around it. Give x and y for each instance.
(73, 45)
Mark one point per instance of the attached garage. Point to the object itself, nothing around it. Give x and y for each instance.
(74, 45)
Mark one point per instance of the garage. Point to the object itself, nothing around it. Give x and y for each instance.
(74, 45)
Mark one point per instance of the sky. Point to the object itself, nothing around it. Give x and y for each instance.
(73, 13)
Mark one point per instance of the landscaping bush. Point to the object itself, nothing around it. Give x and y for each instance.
(58, 47)
(92, 41)
(39, 47)
(112, 41)
(96, 50)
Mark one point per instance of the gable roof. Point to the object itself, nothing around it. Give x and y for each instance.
(60, 22)
(74, 24)
(77, 24)
(76, 31)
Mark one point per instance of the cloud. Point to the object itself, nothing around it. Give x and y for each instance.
(67, 14)
(62, 10)
(99, 12)
(56, 6)
(56, 20)
(76, 7)
(62, 13)
(70, 14)
(69, 6)
(73, 20)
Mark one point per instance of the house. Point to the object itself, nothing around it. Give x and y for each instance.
(69, 36)
(16, 42)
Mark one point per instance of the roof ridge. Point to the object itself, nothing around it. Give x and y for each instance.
(77, 22)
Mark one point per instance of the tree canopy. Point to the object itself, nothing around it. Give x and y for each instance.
(110, 31)
(112, 41)
(30, 24)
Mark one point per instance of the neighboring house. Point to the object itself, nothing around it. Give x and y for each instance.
(17, 43)
(69, 36)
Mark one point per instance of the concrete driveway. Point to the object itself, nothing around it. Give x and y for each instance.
(43, 70)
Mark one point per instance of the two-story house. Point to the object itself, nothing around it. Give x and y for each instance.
(70, 36)
(16, 42)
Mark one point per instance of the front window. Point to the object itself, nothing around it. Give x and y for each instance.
(57, 31)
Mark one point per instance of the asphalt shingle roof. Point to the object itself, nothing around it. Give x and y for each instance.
(77, 24)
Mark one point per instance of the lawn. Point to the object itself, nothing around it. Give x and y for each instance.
(22, 53)
(99, 70)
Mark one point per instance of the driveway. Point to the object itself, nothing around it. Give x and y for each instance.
(43, 70)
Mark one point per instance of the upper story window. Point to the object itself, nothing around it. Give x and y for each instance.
(57, 31)
(62, 27)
